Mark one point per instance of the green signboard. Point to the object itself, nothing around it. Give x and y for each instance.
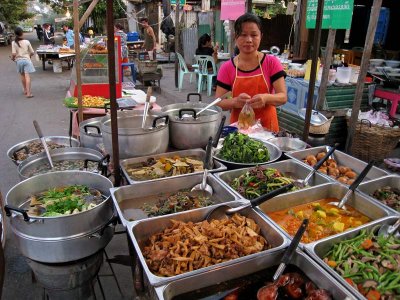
(337, 14)
(181, 2)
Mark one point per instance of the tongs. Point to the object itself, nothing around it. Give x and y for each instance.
(146, 106)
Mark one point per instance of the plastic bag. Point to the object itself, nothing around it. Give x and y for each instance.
(247, 118)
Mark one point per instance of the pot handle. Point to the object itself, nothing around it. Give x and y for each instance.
(218, 135)
(159, 118)
(103, 164)
(193, 94)
(91, 126)
(191, 110)
(22, 148)
(23, 212)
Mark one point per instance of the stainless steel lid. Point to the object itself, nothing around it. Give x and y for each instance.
(316, 117)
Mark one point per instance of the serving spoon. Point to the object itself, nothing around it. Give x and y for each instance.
(353, 186)
(42, 139)
(203, 189)
(387, 230)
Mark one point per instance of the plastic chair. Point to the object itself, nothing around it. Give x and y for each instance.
(133, 71)
(183, 70)
(203, 62)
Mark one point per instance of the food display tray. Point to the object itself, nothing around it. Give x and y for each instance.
(360, 202)
(290, 168)
(69, 101)
(342, 159)
(141, 231)
(317, 250)
(136, 192)
(198, 153)
(371, 186)
(313, 271)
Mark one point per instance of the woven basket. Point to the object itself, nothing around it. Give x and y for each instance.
(373, 142)
(321, 129)
(147, 66)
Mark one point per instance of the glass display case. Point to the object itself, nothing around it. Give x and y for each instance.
(94, 69)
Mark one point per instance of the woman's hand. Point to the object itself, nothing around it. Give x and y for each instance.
(258, 101)
(241, 100)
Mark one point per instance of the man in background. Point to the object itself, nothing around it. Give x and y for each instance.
(149, 37)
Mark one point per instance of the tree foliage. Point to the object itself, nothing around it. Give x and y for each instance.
(14, 11)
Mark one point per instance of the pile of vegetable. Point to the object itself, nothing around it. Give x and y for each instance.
(180, 201)
(64, 201)
(388, 196)
(259, 181)
(240, 148)
(369, 263)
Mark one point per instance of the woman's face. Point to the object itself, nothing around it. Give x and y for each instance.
(249, 39)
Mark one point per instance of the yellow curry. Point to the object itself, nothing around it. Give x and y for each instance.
(325, 219)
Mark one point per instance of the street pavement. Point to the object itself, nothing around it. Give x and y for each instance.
(17, 113)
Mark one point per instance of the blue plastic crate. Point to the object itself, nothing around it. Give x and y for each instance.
(132, 36)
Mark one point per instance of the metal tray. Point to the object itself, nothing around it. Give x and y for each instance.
(342, 159)
(313, 271)
(141, 231)
(370, 187)
(274, 154)
(318, 249)
(136, 192)
(199, 153)
(62, 140)
(357, 200)
(291, 168)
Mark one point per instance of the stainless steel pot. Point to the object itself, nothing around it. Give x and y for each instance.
(90, 133)
(27, 168)
(192, 132)
(132, 139)
(61, 140)
(63, 238)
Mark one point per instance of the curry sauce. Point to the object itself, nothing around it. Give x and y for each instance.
(325, 219)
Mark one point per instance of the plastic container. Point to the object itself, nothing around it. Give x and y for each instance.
(132, 36)
(332, 76)
(343, 74)
(355, 72)
(57, 66)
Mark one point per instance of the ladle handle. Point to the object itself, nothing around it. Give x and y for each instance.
(287, 256)
(361, 177)
(219, 131)
(265, 197)
(37, 128)
(320, 163)
(208, 154)
(393, 228)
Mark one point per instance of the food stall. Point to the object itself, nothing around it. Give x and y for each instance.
(55, 53)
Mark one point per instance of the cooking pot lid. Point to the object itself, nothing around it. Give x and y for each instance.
(316, 117)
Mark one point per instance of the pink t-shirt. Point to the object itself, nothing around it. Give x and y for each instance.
(271, 65)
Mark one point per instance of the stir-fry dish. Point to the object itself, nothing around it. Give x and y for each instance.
(342, 174)
(61, 165)
(164, 167)
(34, 148)
(389, 196)
(293, 284)
(65, 200)
(180, 201)
(369, 263)
(259, 181)
(185, 247)
(325, 219)
(240, 148)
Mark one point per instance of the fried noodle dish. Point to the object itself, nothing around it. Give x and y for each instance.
(186, 247)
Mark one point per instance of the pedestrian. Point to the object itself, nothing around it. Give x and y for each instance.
(39, 32)
(69, 35)
(22, 52)
(118, 31)
(48, 38)
(149, 37)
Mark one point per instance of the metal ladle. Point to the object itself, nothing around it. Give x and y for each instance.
(222, 211)
(224, 96)
(203, 189)
(353, 186)
(146, 106)
(43, 140)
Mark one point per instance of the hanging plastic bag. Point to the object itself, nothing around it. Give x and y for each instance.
(247, 117)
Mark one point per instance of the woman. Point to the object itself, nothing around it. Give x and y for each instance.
(252, 76)
(48, 37)
(205, 47)
(118, 30)
(22, 52)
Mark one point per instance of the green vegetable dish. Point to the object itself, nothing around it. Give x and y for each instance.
(369, 263)
(259, 181)
(62, 201)
(240, 148)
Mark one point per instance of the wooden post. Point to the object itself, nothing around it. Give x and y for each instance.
(313, 75)
(369, 41)
(325, 72)
(177, 33)
(113, 93)
(77, 58)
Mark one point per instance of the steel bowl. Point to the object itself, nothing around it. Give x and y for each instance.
(274, 154)
(62, 140)
(286, 144)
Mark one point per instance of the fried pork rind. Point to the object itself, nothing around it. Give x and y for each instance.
(185, 247)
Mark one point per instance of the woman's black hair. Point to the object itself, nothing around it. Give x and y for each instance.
(203, 40)
(246, 18)
(119, 26)
(18, 35)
